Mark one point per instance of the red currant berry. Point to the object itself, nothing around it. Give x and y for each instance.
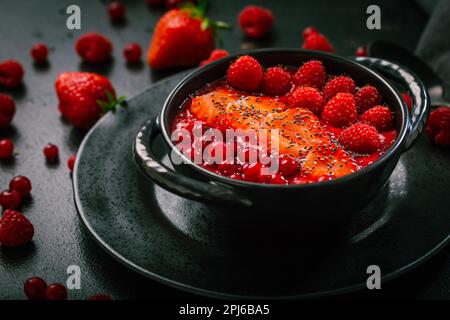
(226, 169)
(35, 288)
(10, 199)
(288, 166)
(252, 172)
(116, 11)
(51, 152)
(132, 53)
(39, 53)
(56, 291)
(6, 148)
(21, 184)
(361, 52)
(100, 297)
(278, 179)
(71, 162)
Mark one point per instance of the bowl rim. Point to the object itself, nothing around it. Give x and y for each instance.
(398, 143)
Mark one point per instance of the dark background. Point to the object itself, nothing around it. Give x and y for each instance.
(61, 239)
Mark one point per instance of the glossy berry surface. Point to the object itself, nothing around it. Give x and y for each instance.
(132, 53)
(6, 148)
(71, 162)
(35, 288)
(21, 184)
(51, 152)
(116, 11)
(10, 199)
(39, 53)
(56, 291)
(7, 110)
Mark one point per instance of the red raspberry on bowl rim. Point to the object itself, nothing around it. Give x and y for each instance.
(306, 97)
(366, 98)
(94, 47)
(438, 126)
(71, 162)
(6, 148)
(340, 111)
(116, 11)
(10, 199)
(256, 21)
(35, 288)
(276, 81)
(360, 138)
(11, 74)
(311, 74)
(15, 229)
(51, 152)
(339, 84)
(317, 41)
(215, 55)
(132, 52)
(22, 185)
(7, 110)
(379, 117)
(245, 74)
(56, 291)
(39, 53)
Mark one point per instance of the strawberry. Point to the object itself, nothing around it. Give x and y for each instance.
(256, 21)
(438, 126)
(317, 41)
(360, 138)
(7, 110)
(215, 55)
(11, 74)
(15, 229)
(379, 117)
(306, 97)
(366, 98)
(183, 37)
(340, 111)
(84, 97)
(276, 81)
(94, 47)
(245, 74)
(340, 84)
(310, 74)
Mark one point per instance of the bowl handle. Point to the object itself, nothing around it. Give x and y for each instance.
(174, 181)
(421, 100)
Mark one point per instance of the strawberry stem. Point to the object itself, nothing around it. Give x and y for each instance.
(111, 103)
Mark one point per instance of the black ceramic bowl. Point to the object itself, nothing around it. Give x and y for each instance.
(327, 200)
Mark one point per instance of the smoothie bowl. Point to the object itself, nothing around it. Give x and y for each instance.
(292, 134)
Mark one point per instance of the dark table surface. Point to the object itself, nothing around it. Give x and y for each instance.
(61, 240)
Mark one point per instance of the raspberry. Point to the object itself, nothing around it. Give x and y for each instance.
(360, 138)
(276, 82)
(306, 97)
(366, 98)
(361, 52)
(10, 199)
(215, 55)
(7, 110)
(21, 184)
(256, 21)
(340, 84)
(132, 53)
(15, 229)
(245, 74)
(39, 53)
(407, 98)
(379, 117)
(11, 74)
(6, 148)
(340, 111)
(116, 11)
(93, 47)
(317, 41)
(310, 74)
(309, 31)
(438, 126)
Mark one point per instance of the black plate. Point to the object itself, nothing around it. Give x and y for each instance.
(134, 221)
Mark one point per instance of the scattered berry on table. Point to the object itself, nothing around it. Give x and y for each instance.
(360, 138)
(7, 110)
(39, 53)
(245, 74)
(21, 184)
(51, 152)
(56, 291)
(11, 74)
(256, 21)
(215, 55)
(340, 111)
(366, 98)
(311, 74)
(339, 84)
(317, 41)
(438, 126)
(10, 199)
(6, 148)
(35, 288)
(94, 47)
(276, 82)
(71, 162)
(132, 53)
(116, 11)
(379, 117)
(309, 31)
(15, 229)
(361, 52)
(306, 97)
